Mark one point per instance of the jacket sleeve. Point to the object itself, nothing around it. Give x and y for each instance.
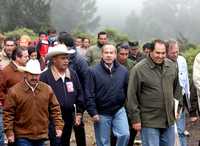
(126, 83)
(90, 94)
(133, 96)
(82, 70)
(3, 88)
(9, 113)
(54, 109)
(177, 88)
(80, 103)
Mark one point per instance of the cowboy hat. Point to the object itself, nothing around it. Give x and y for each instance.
(33, 67)
(57, 50)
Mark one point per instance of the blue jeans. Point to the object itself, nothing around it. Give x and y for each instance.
(1, 127)
(28, 142)
(158, 136)
(119, 125)
(181, 128)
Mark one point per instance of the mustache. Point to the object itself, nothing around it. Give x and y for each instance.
(34, 80)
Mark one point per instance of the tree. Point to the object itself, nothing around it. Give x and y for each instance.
(166, 19)
(72, 15)
(33, 14)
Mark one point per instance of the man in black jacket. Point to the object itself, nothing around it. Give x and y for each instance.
(106, 94)
(80, 65)
(66, 86)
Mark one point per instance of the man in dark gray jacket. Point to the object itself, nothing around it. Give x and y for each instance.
(153, 87)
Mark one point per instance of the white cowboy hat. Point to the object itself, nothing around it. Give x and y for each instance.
(57, 50)
(33, 67)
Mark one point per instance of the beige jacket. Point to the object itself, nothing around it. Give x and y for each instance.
(196, 76)
(4, 60)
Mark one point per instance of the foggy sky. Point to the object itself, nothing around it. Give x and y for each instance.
(114, 12)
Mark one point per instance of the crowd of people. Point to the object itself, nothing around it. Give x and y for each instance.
(47, 84)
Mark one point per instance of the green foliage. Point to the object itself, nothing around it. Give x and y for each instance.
(33, 14)
(85, 35)
(21, 31)
(190, 55)
(116, 36)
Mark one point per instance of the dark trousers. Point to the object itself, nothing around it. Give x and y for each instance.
(67, 130)
(28, 142)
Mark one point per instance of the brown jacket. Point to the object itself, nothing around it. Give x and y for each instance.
(9, 76)
(26, 113)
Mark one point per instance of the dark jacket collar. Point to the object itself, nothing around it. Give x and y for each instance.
(154, 65)
(115, 66)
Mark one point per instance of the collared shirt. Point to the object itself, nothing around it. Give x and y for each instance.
(109, 67)
(57, 75)
(183, 75)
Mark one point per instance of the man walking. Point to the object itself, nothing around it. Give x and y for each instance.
(153, 85)
(80, 66)
(11, 75)
(66, 86)
(173, 54)
(27, 108)
(106, 92)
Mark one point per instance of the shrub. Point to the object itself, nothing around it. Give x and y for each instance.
(21, 31)
(190, 55)
(116, 36)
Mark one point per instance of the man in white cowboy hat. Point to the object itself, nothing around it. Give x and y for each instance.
(27, 108)
(67, 88)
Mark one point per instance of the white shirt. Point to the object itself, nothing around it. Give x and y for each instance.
(183, 75)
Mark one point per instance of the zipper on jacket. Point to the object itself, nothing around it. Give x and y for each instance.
(65, 93)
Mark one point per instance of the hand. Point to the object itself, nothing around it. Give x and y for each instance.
(11, 139)
(96, 118)
(176, 115)
(58, 133)
(136, 126)
(193, 119)
(78, 119)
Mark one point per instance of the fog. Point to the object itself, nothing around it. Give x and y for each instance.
(113, 13)
(145, 19)
(139, 19)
